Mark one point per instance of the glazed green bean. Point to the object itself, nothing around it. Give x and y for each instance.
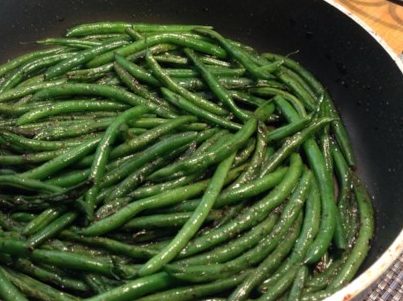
(98, 167)
(69, 107)
(215, 86)
(292, 208)
(190, 228)
(7, 290)
(211, 157)
(173, 38)
(115, 93)
(137, 288)
(62, 161)
(82, 57)
(164, 78)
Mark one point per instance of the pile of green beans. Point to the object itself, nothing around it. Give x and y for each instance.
(167, 162)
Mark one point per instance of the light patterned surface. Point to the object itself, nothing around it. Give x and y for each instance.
(384, 17)
(390, 287)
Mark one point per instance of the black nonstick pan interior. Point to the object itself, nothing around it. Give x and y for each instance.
(363, 79)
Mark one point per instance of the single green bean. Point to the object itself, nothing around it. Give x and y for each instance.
(62, 161)
(173, 38)
(8, 292)
(114, 93)
(197, 291)
(69, 107)
(134, 289)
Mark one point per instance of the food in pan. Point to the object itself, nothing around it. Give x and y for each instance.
(167, 162)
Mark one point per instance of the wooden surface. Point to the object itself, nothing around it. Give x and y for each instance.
(385, 17)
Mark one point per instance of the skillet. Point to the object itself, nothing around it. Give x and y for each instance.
(361, 75)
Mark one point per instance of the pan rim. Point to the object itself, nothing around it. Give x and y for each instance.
(393, 252)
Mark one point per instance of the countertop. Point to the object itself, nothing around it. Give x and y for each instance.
(384, 17)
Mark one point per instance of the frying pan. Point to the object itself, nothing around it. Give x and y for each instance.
(361, 75)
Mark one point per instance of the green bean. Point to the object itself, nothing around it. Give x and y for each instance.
(250, 216)
(102, 153)
(36, 289)
(338, 127)
(97, 283)
(115, 93)
(166, 220)
(75, 43)
(270, 91)
(298, 284)
(196, 291)
(112, 203)
(36, 145)
(309, 101)
(15, 78)
(120, 27)
(27, 184)
(149, 190)
(136, 288)
(193, 224)
(291, 143)
(73, 130)
(166, 198)
(288, 130)
(290, 212)
(82, 57)
(26, 58)
(52, 229)
(234, 247)
(236, 195)
(68, 107)
(255, 163)
(14, 110)
(307, 235)
(25, 159)
(344, 175)
(329, 209)
(62, 161)
(246, 260)
(44, 275)
(244, 154)
(280, 286)
(138, 142)
(23, 217)
(70, 260)
(70, 179)
(19, 92)
(362, 244)
(41, 220)
(148, 154)
(187, 106)
(7, 290)
(238, 54)
(111, 245)
(215, 87)
(99, 28)
(173, 38)
(137, 88)
(196, 100)
(134, 34)
(215, 70)
(209, 158)
(175, 59)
